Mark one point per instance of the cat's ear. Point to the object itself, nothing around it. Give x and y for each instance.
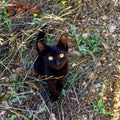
(42, 47)
(62, 43)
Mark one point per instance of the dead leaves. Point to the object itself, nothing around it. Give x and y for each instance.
(36, 9)
(27, 7)
(104, 17)
(15, 7)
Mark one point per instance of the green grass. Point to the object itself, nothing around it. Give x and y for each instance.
(49, 39)
(13, 117)
(85, 45)
(7, 24)
(22, 94)
(100, 109)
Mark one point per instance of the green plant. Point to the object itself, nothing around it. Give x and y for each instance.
(1, 91)
(99, 108)
(32, 113)
(64, 92)
(13, 117)
(36, 19)
(7, 22)
(84, 45)
(49, 39)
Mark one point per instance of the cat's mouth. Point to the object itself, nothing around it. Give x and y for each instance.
(57, 67)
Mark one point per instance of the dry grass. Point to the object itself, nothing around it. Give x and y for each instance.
(24, 96)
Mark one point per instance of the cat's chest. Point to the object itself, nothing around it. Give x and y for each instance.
(56, 73)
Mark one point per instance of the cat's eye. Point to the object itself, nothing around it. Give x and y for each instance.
(50, 58)
(61, 55)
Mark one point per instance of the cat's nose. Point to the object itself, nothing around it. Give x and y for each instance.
(58, 63)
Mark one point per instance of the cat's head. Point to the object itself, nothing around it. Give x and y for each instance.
(54, 56)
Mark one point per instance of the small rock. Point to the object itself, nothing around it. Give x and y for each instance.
(77, 53)
(118, 44)
(84, 117)
(97, 85)
(85, 35)
(104, 31)
(106, 46)
(110, 64)
(104, 17)
(53, 117)
(112, 28)
(104, 98)
(118, 18)
(90, 75)
(18, 69)
(103, 59)
(31, 62)
(118, 49)
(84, 83)
(13, 70)
(97, 22)
(118, 60)
(98, 64)
(74, 65)
(74, 52)
(101, 93)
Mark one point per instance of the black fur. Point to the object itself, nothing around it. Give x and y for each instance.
(57, 67)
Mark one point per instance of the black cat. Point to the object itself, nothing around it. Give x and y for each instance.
(52, 61)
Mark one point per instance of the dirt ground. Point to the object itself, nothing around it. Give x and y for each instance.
(92, 90)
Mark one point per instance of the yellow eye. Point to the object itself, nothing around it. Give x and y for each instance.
(61, 55)
(50, 58)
